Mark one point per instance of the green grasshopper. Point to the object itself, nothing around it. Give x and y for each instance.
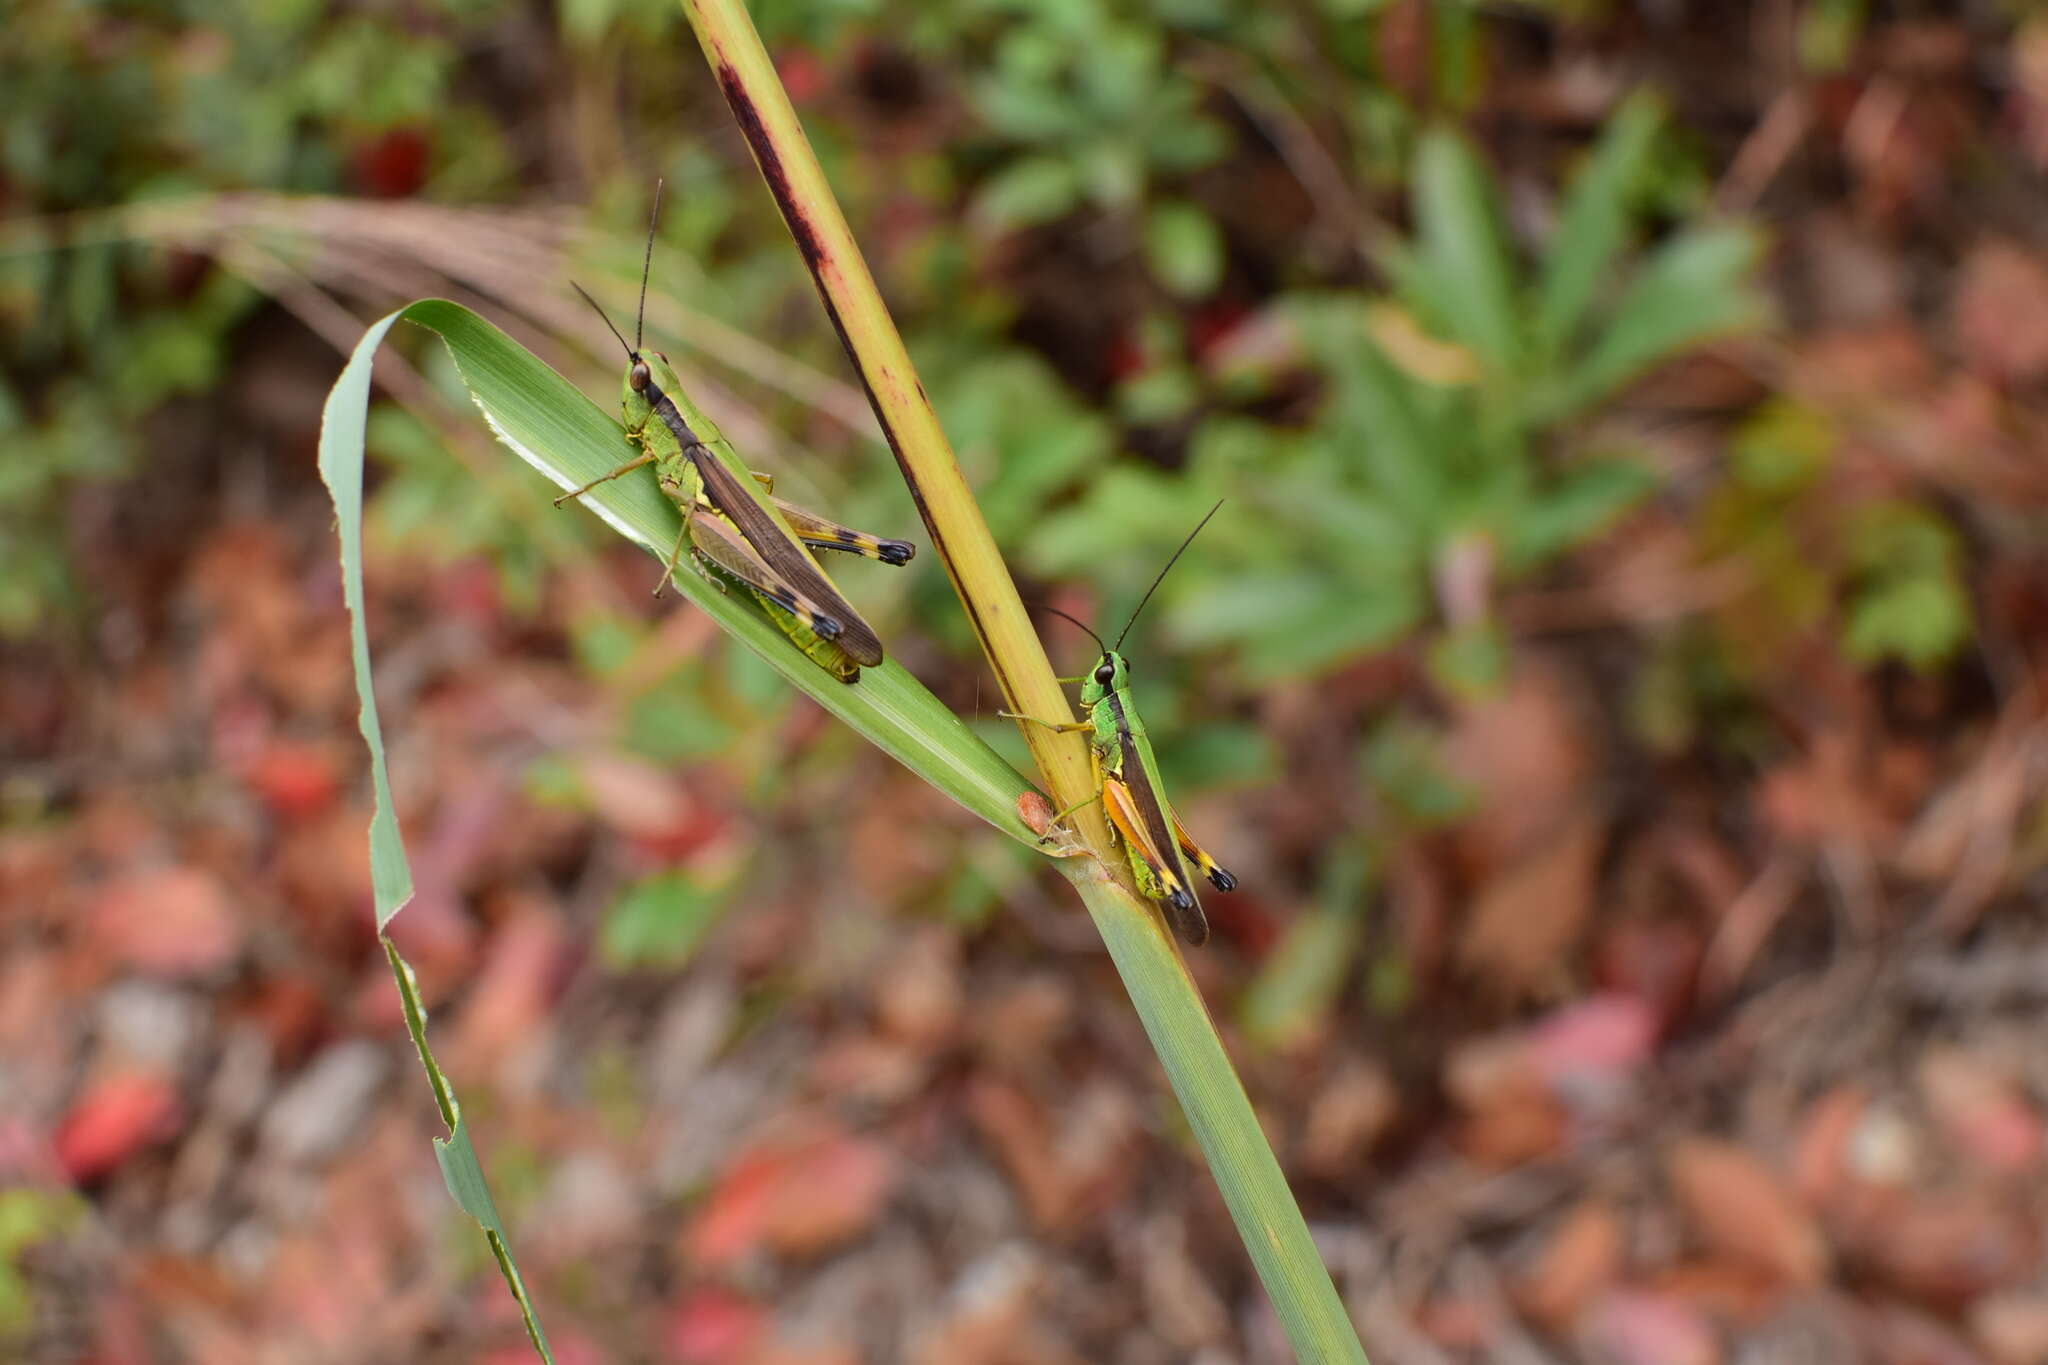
(1127, 778)
(761, 541)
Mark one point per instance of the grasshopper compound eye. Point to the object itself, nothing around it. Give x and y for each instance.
(1105, 673)
(640, 375)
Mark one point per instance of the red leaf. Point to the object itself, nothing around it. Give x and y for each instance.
(173, 921)
(1599, 1041)
(115, 1118)
(294, 780)
(713, 1327)
(796, 1199)
(392, 164)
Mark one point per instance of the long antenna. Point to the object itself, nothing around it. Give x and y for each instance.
(1047, 606)
(1163, 572)
(601, 313)
(646, 265)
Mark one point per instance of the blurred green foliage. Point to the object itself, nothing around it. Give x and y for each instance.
(1437, 430)
(109, 106)
(28, 1216)
(1073, 206)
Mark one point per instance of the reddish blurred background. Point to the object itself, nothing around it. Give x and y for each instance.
(1625, 716)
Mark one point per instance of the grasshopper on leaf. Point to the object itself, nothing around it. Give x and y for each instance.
(730, 528)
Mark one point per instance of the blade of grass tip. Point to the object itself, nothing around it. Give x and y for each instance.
(959, 534)
(341, 467)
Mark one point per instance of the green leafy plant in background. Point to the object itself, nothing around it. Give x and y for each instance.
(1889, 570)
(1438, 462)
(1907, 601)
(109, 108)
(1094, 112)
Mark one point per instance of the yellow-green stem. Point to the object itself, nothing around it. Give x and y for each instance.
(1182, 1033)
(958, 532)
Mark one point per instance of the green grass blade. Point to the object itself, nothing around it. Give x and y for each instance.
(1221, 1118)
(341, 467)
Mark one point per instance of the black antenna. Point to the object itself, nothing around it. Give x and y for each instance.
(1162, 574)
(646, 265)
(1046, 606)
(601, 313)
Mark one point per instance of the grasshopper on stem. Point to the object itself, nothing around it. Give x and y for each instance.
(1128, 783)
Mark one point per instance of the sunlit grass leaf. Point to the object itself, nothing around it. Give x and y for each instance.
(1035, 190)
(1593, 229)
(1909, 602)
(1460, 274)
(659, 921)
(1300, 979)
(1292, 622)
(1184, 248)
(1582, 501)
(341, 466)
(1692, 289)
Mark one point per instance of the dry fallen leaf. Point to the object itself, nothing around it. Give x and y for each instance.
(1582, 1258)
(1982, 1111)
(1636, 1327)
(1946, 1249)
(987, 1313)
(919, 996)
(1820, 1152)
(1348, 1114)
(1525, 752)
(2001, 313)
(1595, 1043)
(1530, 914)
(510, 991)
(796, 1198)
(712, 1326)
(170, 921)
(1741, 1209)
(2013, 1328)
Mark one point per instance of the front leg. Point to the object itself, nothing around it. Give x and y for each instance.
(644, 457)
(1058, 727)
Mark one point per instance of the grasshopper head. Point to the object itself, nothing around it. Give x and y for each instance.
(648, 376)
(1110, 673)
